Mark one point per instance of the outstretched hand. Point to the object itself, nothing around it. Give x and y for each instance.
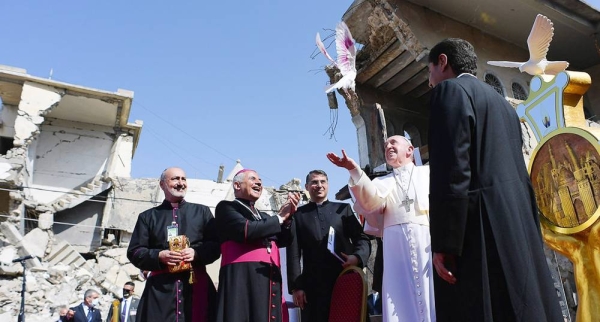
(343, 162)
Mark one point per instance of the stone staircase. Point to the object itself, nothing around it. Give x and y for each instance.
(64, 253)
(83, 193)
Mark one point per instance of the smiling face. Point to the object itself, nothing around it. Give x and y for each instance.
(317, 186)
(174, 184)
(398, 151)
(249, 187)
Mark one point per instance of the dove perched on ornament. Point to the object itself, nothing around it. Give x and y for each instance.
(538, 42)
(346, 58)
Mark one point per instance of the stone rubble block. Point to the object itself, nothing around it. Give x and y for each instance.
(50, 294)
(31, 283)
(112, 288)
(123, 260)
(122, 278)
(46, 220)
(7, 254)
(105, 263)
(6, 299)
(64, 294)
(82, 276)
(11, 270)
(36, 296)
(11, 233)
(112, 274)
(12, 284)
(115, 253)
(132, 271)
(57, 273)
(35, 242)
(92, 266)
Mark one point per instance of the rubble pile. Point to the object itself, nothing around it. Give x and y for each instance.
(52, 285)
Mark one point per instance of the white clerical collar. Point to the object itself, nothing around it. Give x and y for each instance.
(463, 74)
(405, 168)
(321, 203)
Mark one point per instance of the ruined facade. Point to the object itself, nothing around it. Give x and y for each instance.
(67, 197)
(392, 92)
(62, 145)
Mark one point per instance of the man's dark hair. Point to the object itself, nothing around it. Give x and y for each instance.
(321, 172)
(461, 55)
(130, 283)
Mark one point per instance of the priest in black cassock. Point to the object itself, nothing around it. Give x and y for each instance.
(485, 231)
(312, 285)
(170, 296)
(250, 275)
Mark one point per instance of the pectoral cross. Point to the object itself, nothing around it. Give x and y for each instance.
(406, 203)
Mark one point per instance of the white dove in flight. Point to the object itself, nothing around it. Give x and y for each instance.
(538, 42)
(346, 57)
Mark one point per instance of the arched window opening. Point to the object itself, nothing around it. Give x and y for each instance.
(519, 91)
(493, 81)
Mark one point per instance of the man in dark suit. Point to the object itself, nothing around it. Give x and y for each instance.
(485, 233)
(86, 311)
(126, 308)
(312, 285)
(374, 306)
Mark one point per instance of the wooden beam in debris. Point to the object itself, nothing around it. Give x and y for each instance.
(392, 69)
(379, 60)
(421, 77)
(412, 69)
(420, 91)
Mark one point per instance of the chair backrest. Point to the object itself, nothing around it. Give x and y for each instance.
(349, 297)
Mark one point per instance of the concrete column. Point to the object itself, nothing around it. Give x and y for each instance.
(36, 101)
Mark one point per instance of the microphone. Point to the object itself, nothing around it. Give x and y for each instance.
(24, 258)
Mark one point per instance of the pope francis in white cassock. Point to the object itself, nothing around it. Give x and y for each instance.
(398, 205)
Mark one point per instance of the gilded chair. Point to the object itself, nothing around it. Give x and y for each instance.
(349, 297)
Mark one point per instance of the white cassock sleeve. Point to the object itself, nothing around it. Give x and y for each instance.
(370, 200)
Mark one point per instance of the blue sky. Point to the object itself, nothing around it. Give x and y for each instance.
(214, 81)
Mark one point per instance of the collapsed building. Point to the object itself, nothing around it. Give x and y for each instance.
(67, 197)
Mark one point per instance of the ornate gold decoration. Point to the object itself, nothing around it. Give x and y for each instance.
(177, 244)
(565, 173)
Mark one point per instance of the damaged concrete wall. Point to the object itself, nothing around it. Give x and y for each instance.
(122, 149)
(68, 154)
(9, 116)
(36, 101)
(83, 231)
(128, 198)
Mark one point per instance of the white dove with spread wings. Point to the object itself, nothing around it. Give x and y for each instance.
(346, 57)
(538, 42)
